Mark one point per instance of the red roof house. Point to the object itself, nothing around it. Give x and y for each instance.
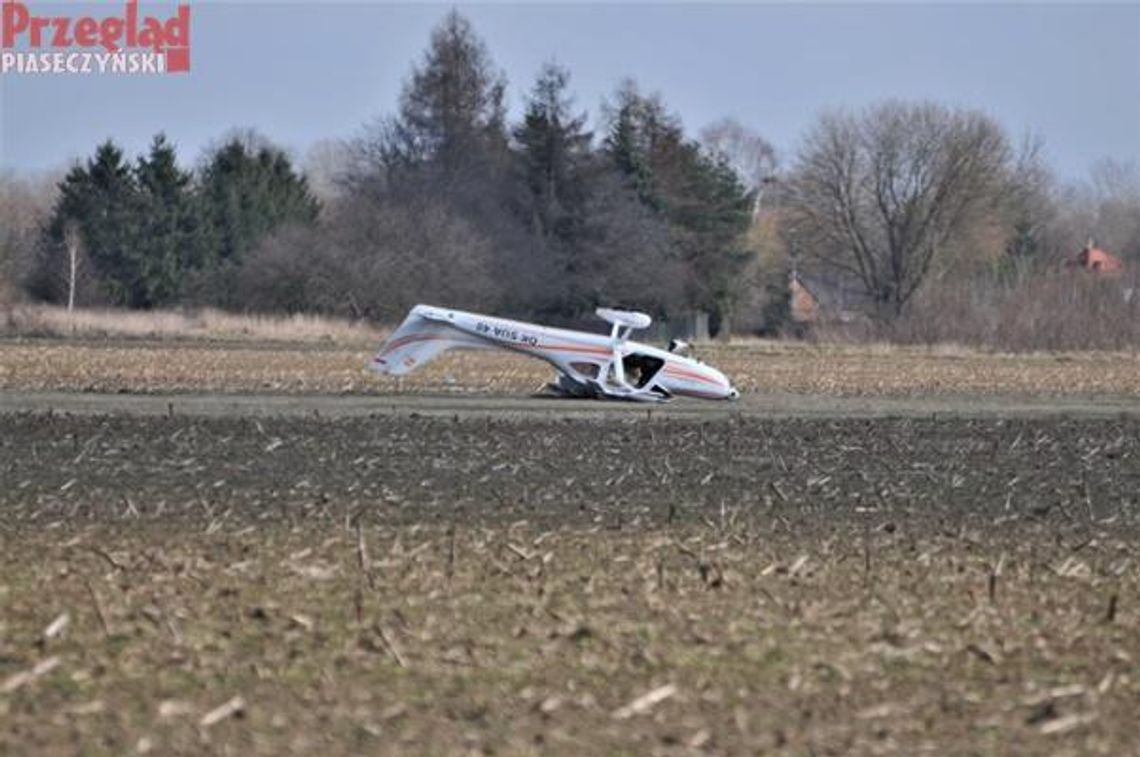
(1097, 260)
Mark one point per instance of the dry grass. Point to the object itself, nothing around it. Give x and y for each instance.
(889, 370)
(197, 325)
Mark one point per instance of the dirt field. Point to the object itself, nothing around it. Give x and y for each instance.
(763, 367)
(258, 548)
(525, 584)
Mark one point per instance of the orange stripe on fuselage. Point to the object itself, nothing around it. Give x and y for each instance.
(601, 351)
(677, 372)
(410, 339)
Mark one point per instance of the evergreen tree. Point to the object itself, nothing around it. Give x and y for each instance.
(638, 127)
(700, 196)
(172, 238)
(715, 217)
(101, 199)
(447, 148)
(247, 191)
(451, 110)
(554, 151)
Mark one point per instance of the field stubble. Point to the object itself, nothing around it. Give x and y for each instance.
(294, 368)
(438, 585)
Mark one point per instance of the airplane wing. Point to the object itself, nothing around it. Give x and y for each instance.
(422, 337)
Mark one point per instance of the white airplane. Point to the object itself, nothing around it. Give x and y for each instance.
(588, 365)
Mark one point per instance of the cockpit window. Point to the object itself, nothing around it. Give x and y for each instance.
(640, 369)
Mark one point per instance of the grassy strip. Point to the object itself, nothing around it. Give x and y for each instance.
(204, 324)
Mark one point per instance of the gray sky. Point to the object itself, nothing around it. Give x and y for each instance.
(301, 72)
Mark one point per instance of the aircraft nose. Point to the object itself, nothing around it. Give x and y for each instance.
(733, 394)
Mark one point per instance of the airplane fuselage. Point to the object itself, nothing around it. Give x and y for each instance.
(589, 364)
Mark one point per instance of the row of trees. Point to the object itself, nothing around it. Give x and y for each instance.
(148, 233)
(919, 213)
(444, 200)
(447, 201)
(888, 195)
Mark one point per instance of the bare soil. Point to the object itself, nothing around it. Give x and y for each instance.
(530, 583)
(755, 405)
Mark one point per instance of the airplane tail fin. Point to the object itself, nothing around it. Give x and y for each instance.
(422, 337)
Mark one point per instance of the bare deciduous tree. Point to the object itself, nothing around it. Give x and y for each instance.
(1116, 194)
(25, 202)
(373, 260)
(881, 194)
(750, 155)
(1105, 208)
(326, 165)
(72, 242)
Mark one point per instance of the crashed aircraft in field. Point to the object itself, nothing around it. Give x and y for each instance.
(588, 365)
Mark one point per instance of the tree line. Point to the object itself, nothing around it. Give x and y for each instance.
(541, 218)
(147, 233)
(446, 200)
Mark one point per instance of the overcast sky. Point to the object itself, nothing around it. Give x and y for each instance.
(301, 72)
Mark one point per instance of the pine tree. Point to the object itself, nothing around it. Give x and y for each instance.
(172, 238)
(554, 151)
(638, 125)
(717, 217)
(247, 191)
(101, 200)
(699, 195)
(451, 110)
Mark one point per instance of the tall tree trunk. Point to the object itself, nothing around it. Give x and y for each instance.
(71, 239)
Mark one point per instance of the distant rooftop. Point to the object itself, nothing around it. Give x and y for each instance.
(1092, 258)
